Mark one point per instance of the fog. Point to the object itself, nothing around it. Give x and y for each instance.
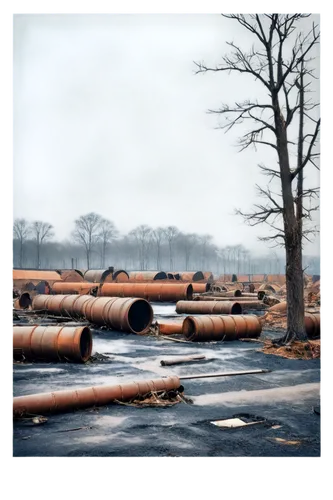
(109, 117)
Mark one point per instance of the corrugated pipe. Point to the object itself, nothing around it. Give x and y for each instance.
(125, 314)
(208, 307)
(212, 328)
(52, 343)
(63, 401)
(154, 292)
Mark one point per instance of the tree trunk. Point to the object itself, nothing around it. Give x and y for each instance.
(21, 253)
(293, 242)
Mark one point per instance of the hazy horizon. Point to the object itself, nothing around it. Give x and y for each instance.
(110, 118)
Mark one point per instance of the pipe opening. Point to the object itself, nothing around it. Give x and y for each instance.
(140, 316)
(261, 294)
(237, 293)
(208, 286)
(85, 343)
(25, 300)
(160, 276)
(236, 308)
(189, 328)
(189, 292)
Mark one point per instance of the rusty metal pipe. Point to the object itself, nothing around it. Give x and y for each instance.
(312, 325)
(170, 327)
(52, 343)
(213, 328)
(82, 288)
(154, 292)
(208, 307)
(177, 361)
(63, 401)
(282, 307)
(133, 315)
(200, 287)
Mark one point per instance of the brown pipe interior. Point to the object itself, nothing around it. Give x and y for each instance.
(261, 294)
(25, 300)
(189, 328)
(139, 316)
(238, 293)
(236, 308)
(189, 292)
(85, 343)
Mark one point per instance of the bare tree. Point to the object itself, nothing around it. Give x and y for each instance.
(107, 233)
(142, 235)
(21, 230)
(171, 233)
(281, 71)
(42, 231)
(158, 235)
(86, 233)
(204, 240)
(188, 243)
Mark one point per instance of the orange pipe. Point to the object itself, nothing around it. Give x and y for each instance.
(62, 401)
(282, 307)
(133, 315)
(312, 325)
(82, 288)
(52, 343)
(170, 327)
(208, 307)
(200, 287)
(155, 292)
(212, 328)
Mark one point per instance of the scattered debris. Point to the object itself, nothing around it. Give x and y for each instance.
(39, 420)
(242, 420)
(296, 350)
(96, 357)
(285, 441)
(157, 399)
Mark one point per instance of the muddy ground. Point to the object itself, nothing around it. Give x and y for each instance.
(284, 398)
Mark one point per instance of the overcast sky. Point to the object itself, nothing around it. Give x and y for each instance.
(109, 117)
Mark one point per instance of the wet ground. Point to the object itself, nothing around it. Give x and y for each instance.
(283, 398)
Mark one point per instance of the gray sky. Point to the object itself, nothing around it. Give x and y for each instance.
(109, 117)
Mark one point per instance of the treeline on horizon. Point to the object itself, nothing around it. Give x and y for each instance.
(95, 243)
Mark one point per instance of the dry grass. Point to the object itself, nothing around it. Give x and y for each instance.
(296, 350)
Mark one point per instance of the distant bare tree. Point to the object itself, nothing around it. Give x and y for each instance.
(205, 241)
(42, 231)
(171, 233)
(107, 233)
(21, 231)
(188, 243)
(142, 235)
(279, 62)
(86, 233)
(158, 235)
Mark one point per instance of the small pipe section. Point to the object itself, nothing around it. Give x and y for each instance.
(200, 287)
(52, 343)
(169, 327)
(312, 325)
(208, 307)
(223, 374)
(177, 361)
(214, 328)
(63, 401)
(63, 287)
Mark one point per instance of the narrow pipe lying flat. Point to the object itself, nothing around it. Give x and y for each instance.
(213, 328)
(208, 307)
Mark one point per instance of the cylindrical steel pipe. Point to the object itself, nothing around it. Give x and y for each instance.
(147, 275)
(63, 287)
(62, 401)
(282, 307)
(312, 325)
(209, 307)
(170, 327)
(52, 343)
(200, 287)
(213, 328)
(154, 292)
(125, 314)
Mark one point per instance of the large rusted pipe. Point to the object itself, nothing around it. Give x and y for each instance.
(63, 401)
(200, 287)
(212, 328)
(155, 292)
(312, 325)
(191, 276)
(125, 314)
(209, 307)
(52, 343)
(83, 288)
(170, 327)
(282, 307)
